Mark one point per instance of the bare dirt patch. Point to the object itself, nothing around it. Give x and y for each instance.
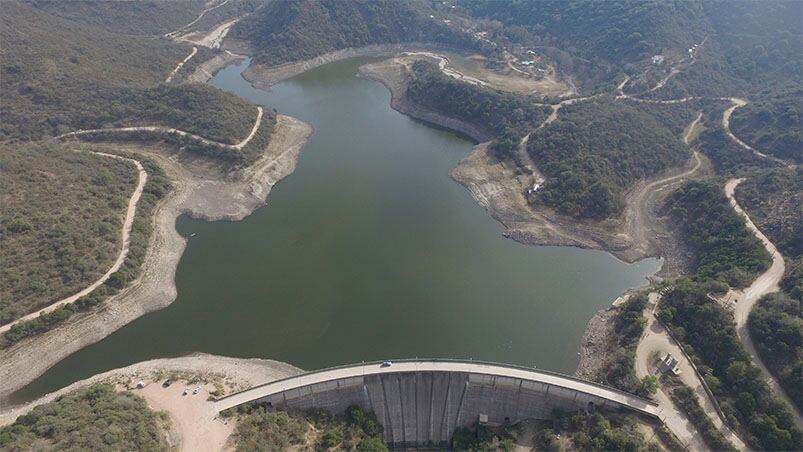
(194, 423)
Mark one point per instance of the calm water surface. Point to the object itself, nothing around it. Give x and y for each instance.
(368, 251)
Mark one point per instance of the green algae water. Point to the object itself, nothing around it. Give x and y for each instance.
(368, 251)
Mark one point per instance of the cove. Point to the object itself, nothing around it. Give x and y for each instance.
(368, 251)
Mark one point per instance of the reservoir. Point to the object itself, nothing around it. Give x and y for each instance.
(368, 251)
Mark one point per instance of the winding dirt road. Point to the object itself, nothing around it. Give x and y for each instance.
(175, 33)
(655, 343)
(170, 130)
(181, 64)
(636, 220)
(124, 246)
(766, 283)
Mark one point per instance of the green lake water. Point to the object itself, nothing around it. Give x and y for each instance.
(368, 251)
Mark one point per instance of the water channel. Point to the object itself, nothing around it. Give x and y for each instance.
(368, 251)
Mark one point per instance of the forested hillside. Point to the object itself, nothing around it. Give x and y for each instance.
(292, 30)
(93, 418)
(725, 249)
(595, 150)
(620, 32)
(773, 123)
(507, 115)
(59, 75)
(142, 17)
(777, 327)
(708, 333)
(48, 251)
(773, 199)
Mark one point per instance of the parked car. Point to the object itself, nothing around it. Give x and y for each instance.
(385, 364)
(167, 383)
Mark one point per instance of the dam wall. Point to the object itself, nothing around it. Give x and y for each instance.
(423, 408)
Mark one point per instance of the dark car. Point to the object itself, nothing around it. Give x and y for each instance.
(167, 383)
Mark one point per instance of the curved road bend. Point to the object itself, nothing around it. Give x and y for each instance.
(170, 130)
(657, 341)
(358, 370)
(766, 283)
(124, 245)
(173, 34)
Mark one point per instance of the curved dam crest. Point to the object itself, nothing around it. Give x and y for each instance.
(368, 251)
(420, 403)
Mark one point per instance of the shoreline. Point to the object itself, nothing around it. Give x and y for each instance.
(499, 191)
(263, 77)
(193, 422)
(202, 196)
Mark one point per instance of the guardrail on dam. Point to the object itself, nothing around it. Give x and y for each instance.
(422, 402)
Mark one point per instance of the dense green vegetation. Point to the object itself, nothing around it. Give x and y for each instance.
(752, 45)
(595, 150)
(684, 398)
(59, 75)
(580, 431)
(62, 213)
(772, 199)
(777, 328)
(70, 233)
(93, 418)
(629, 325)
(620, 31)
(708, 333)
(280, 32)
(507, 116)
(258, 429)
(772, 123)
(145, 18)
(724, 248)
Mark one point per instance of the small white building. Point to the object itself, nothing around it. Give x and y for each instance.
(527, 63)
(658, 59)
(669, 364)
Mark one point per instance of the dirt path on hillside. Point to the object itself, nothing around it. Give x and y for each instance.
(194, 422)
(655, 343)
(212, 39)
(640, 222)
(170, 130)
(175, 33)
(746, 299)
(198, 191)
(128, 221)
(181, 64)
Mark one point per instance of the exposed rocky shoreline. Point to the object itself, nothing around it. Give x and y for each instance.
(263, 77)
(199, 191)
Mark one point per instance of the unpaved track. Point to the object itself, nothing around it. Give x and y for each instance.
(181, 64)
(656, 341)
(637, 210)
(199, 192)
(175, 33)
(766, 283)
(124, 246)
(170, 130)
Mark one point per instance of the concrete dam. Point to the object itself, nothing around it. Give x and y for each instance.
(421, 403)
